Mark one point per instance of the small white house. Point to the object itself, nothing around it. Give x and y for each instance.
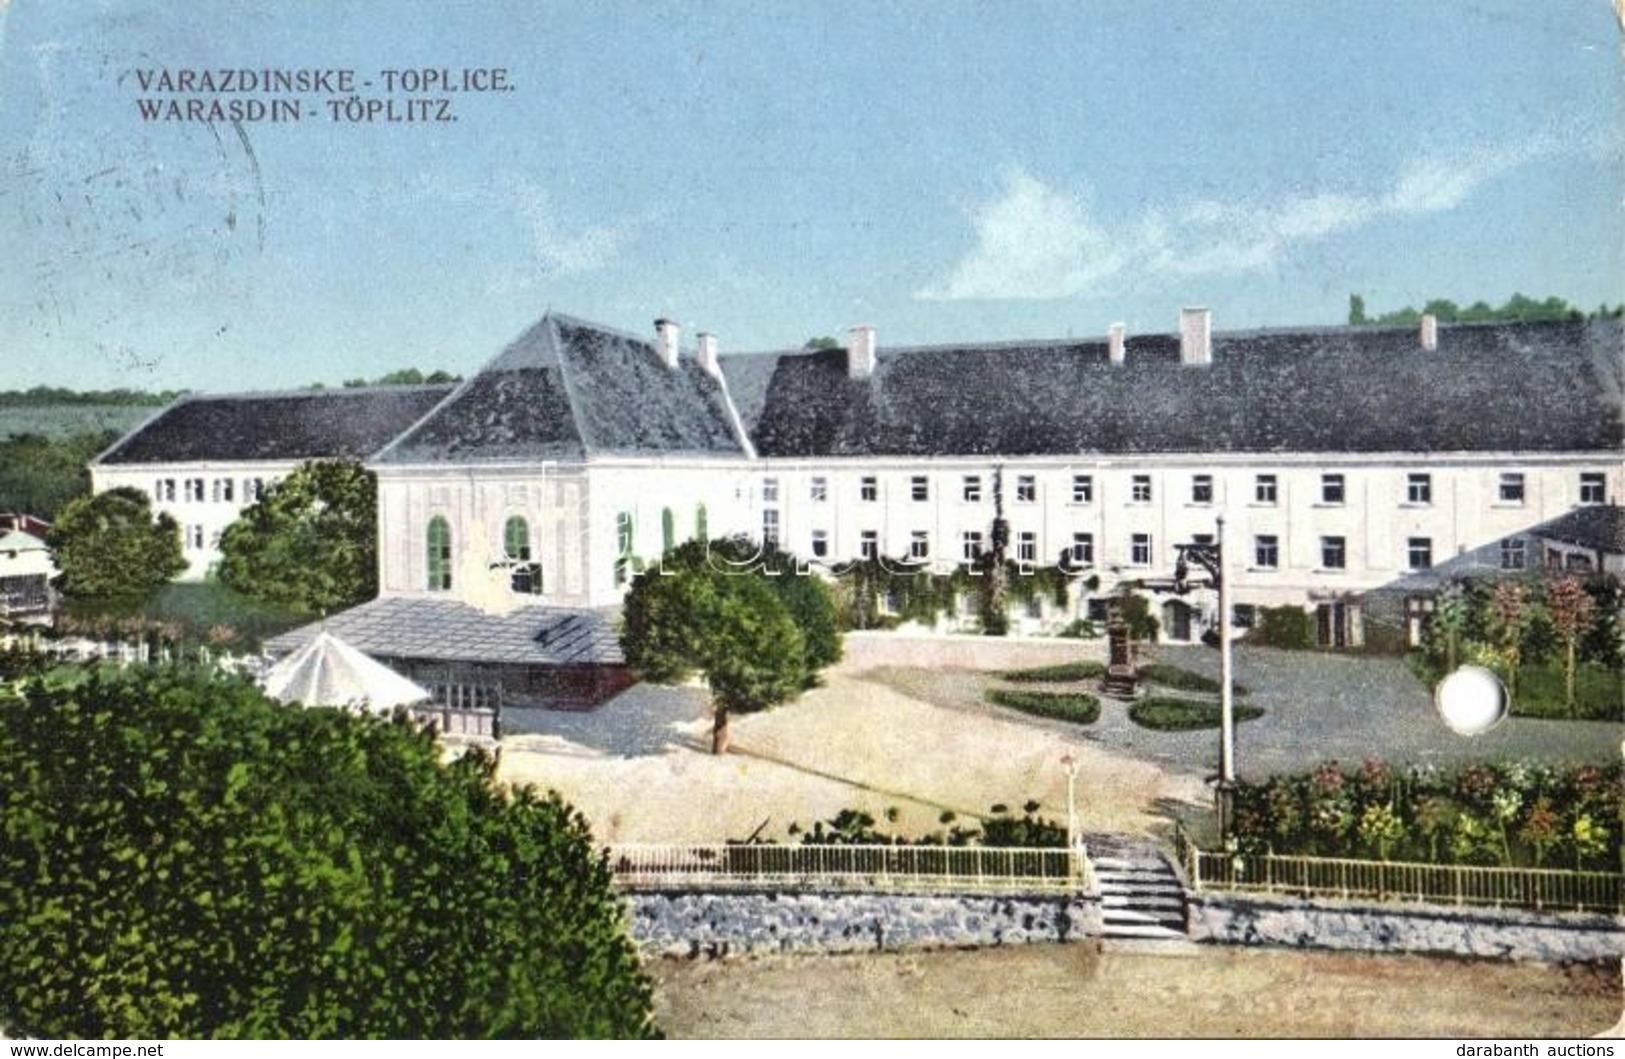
(26, 571)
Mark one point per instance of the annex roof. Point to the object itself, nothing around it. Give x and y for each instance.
(443, 629)
(567, 389)
(1501, 388)
(1600, 528)
(276, 426)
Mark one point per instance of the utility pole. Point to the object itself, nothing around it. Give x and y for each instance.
(1227, 693)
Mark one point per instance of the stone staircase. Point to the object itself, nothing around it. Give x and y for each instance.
(1141, 898)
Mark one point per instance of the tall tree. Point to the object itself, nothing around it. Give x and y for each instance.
(1572, 611)
(696, 612)
(183, 857)
(310, 542)
(110, 545)
(1357, 310)
(1510, 614)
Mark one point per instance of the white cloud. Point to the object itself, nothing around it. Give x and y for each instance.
(567, 253)
(1036, 242)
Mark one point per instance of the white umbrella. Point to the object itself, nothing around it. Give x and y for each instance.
(329, 672)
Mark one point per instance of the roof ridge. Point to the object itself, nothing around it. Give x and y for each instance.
(567, 378)
(309, 391)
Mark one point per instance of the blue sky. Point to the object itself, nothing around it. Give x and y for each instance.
(771, 172)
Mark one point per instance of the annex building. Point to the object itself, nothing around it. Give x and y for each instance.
(515, 506)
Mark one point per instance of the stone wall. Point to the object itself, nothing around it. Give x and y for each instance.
(720, 923)
(1236, 919)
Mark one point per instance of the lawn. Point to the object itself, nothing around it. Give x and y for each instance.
(1598, 691)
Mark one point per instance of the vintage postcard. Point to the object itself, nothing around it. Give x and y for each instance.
(1042, 519)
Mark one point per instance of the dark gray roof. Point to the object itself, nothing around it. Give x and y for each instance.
(567, 389)
(290, 425)
(445, 630)
(1513, 388)
(1600, 528)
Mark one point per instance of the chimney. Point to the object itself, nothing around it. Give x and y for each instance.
(667, 334)
(1114, 343)
(860, 351)
(1195, 336)
(707, 352)
(1430, 331)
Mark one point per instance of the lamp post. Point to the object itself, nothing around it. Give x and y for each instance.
(1070, 764)
(1227, 691)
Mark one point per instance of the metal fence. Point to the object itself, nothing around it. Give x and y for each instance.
(857, 867)
(1541, 889)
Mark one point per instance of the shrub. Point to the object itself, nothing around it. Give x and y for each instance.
(1285, 627)
(1057, 674)
(1181, 679)
(1181, 715)
(1077, 707)
(183, 857)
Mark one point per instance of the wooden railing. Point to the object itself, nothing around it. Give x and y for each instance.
(857, 867)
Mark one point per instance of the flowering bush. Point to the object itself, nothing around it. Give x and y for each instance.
(1512, 814)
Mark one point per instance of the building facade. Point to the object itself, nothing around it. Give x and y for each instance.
(1340, 460)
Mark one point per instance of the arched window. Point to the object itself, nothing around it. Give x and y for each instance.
(702, 532)
(525, 577)
(668, 531)
(439, 541)
(625, 547)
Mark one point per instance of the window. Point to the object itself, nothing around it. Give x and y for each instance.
(1331, 489)
(1141, 490)
(223, 490)
(702, 525)
(972, 489)
(193, 489)
(1083, 547)
(1083, 488)
(770, 490)
(868, 488)
(194, 537)
(971, 545)
(770, 527)
(1035, 607)
(252, 488)
(869, 544)
(524, 576)
(214, 538)
(1511, 488)
(820, 544)
(668, 530)
(1027, 547)
(1026, 489)
(1333, 553)
(1593, 487)
(625, 544)
(439, 554)
(1419, 552)
(164, 490)
(1139, 550)
(1244, 615)
(1514, 554)
(1419, 489)
(1265, 489)
(1099, 610)
(919, 487)
(818, 492)
(1202, 489)
(919, 545)
(1267, 551)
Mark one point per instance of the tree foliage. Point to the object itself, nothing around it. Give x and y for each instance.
(183, 857)
(1516, 309)
(40, 475)
(756, 636)
(403, 377)
(110, 545)
(310, 541)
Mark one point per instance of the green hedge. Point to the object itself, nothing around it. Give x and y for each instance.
(182, 857)
(1181, 679)
(1067, 706)
(1181, 715)
(1056, 674)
